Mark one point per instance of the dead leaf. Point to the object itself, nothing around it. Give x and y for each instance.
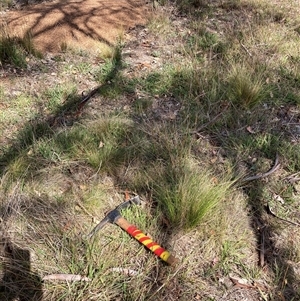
(215, 261)
(213, 160)
(241, 282)
(250, 130)
(214, 180)
(82, 187)
(278, 198)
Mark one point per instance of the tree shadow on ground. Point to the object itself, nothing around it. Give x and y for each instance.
(270, 257)
(64, 116)
(52, 24)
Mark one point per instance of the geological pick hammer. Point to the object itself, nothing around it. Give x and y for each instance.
(115, 217)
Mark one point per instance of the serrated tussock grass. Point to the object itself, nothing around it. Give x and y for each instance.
(246, 88)
(188, 193)
(14, 50)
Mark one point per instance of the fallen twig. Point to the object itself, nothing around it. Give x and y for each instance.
(240, 282)
(272, 170)
(87, 97)
(248, 52)
(269, 210)
(80, 205)
(262, 249)
(209, 122)
(293, 178)
(66, 277)
(124, 271)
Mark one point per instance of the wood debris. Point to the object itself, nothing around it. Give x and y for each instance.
(66, 277)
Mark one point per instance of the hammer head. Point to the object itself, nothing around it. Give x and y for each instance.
(133, 201)
(113, 215)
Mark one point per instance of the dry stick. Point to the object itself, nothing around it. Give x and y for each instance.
(128, 272)
(282, 219)
(164, 284)
(293, 178)
(80, 205)
(86, 98)
(66, 277)
(262, 249)
(124, 271)
(208, 123)
(262, 239)
(272, 170)
(244, 47)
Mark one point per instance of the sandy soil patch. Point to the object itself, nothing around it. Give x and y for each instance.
(83, 24)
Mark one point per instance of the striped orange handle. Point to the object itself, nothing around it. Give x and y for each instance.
(146, 241)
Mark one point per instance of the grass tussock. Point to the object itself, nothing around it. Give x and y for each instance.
(188, 194)
(15, 50)
(247, 88)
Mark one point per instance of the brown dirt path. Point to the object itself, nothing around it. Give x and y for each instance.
(83, 24)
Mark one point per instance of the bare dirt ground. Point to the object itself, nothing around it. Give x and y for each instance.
(75, 23)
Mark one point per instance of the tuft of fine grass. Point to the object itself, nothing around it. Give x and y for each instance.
(246, 87)
(188, 195)
(11, 52)
(14, 50)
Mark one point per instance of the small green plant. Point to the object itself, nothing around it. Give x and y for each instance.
(203, 40)
(99, 145)
(141, 105)
(27, 43)
(19, 167)
(63, 46)
(105, 51)
(108, 71)
(83, 68)
(159, 23)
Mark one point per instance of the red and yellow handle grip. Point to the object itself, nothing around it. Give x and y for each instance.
(146, 241)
